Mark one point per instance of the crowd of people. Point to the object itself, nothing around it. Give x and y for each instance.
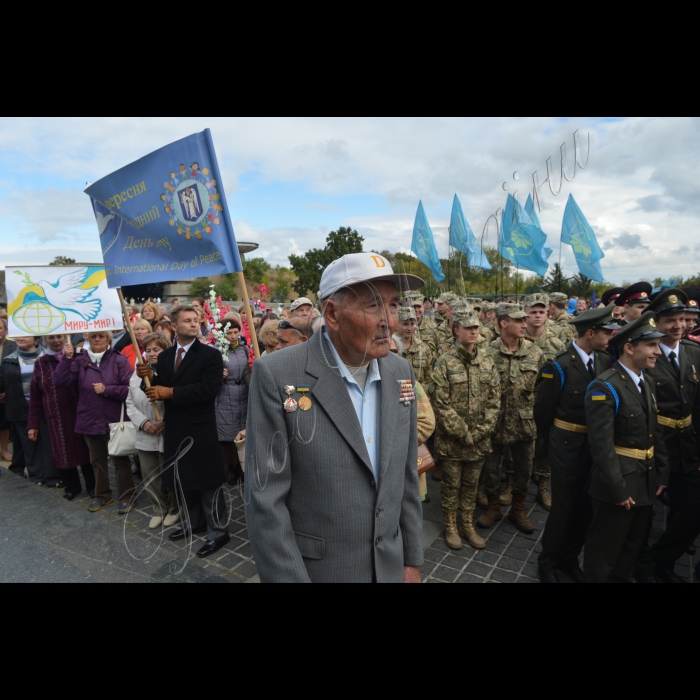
(504, 392)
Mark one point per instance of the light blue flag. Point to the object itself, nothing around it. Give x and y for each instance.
(522, 243)
(576, 231)
(532, 218)
(462, 238)
(165, 218)
(424, 245)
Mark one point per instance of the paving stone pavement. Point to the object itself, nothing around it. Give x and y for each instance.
(124, 549)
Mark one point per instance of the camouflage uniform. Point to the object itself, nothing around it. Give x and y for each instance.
(466, 396)
(567, 333)
(420, 354)
(516, 424)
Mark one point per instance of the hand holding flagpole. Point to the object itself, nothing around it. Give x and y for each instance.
(141, 361)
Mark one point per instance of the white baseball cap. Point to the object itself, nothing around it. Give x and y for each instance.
(364, 267)
(301, 302)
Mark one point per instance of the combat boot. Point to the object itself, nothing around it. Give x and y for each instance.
(481, 500)
(437, 474)
(506, 498)
(492, 515)
(543, 496)
(452, 537)
(467, 531)
(517, 515)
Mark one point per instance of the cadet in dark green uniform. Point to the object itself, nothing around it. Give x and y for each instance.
(630, 462)
(560, 414)
(677, 391)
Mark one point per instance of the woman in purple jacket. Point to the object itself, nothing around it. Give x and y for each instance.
(102, 377)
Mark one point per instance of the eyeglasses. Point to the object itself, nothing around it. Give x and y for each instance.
(287, 326)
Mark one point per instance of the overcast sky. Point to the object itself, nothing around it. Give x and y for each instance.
(291, 180)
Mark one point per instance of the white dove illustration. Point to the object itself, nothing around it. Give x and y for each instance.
(67, 295)
(103, 221)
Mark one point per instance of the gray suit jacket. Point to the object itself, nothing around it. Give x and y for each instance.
(313, 510)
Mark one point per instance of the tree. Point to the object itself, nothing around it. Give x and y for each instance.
(201, 287)
(61, 260)
(556, 282)
(282, 289)
(225, 287)
(255, 270)
(309, 267)
(581, 286)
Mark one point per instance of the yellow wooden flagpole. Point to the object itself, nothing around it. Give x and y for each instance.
(249, 314)
(139, 356)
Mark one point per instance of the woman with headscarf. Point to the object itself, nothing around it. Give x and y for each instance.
(52, 415)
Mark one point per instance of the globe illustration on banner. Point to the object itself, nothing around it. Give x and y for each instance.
(38, 318)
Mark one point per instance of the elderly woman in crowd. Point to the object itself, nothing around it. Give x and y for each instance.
(16, 374)
(141, 330)
(150, 313)
(232, 403)
(150, 439)
(268, 337)
(102, 377)
(7, 347)
(52, 415)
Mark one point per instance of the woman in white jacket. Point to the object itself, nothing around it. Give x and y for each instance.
(149, 439)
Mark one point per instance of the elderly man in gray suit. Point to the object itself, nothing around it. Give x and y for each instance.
(332, 491)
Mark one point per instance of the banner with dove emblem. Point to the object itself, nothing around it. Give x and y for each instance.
(462, 238)
(60, 301)
(521, 241)
(424, 245)
(164, 218)
(577, 232)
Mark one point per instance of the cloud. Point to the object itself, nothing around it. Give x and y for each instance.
(628, 241)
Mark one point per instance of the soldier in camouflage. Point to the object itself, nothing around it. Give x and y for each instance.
(547, 340)
(518, 361)
(557, 313)
(414, 349)
(466, 397)
(488, 320)
(426, 326)
(443, 332)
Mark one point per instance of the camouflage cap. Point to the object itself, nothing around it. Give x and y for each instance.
(536, 300)
(476, 303)
(458, 301)
(465, 317)
(489, 306)
(512, 310)
(446, 298)
(407, 314)
(558, 298)
(417, 300)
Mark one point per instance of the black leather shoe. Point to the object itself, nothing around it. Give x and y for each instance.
(573, 572)
(547, 576)
(664, 498)
(641, 577)
(213, 547)
(184, 534)
(71, 496)
(664, 575)
(691, 551)
(697, 573)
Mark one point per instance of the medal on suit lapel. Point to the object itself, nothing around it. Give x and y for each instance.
(305, 402)
(408, 393)
(290, 405)
(289, 390)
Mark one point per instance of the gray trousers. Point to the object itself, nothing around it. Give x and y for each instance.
(152, 472)
(208, 509)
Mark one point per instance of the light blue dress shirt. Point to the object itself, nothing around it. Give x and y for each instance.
(367, 405)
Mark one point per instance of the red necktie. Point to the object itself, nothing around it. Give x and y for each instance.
(180, 356)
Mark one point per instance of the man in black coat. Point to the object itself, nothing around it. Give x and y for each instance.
(560, 414)
(630, 460)
(189, 379)
(677, 390)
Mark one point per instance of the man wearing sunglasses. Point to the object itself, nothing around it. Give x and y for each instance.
(293, 332)
(333, 441)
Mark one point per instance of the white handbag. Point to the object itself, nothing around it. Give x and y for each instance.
(122, 438)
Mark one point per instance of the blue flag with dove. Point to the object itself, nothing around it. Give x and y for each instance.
(424, 245)
(165, 218)
(522, 242)
(577, 232)
(462, 238)
(532, 217)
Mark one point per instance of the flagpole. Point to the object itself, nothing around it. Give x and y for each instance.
(249, 314)
(137, 350)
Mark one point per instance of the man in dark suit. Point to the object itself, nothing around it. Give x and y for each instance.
(189, 379)
(560, 414)
(677, 392)
(630, 462)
